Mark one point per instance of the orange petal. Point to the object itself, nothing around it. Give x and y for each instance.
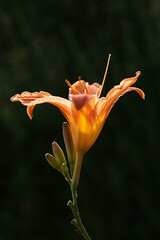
(124, 84)
(104, 105)
(138, 90)
(82, 126)
(94, 88)
(31, 99)
(26, 97)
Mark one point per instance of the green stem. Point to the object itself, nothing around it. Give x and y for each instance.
(77, 220)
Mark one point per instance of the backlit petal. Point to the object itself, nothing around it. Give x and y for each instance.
(104, 105)
(31, 99)
(83, 121)
(119, 90)
(26, 97)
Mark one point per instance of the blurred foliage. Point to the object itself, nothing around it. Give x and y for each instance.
(41, 44)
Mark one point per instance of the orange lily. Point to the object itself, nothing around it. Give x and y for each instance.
(85, 111)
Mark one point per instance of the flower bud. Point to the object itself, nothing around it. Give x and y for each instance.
(52, 161)
(70, 148)
(58, 153)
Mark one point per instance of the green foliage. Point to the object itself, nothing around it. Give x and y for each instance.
(42, 43)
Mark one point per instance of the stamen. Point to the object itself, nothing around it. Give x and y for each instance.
(68, 83)
(84, 86)
(105, 74)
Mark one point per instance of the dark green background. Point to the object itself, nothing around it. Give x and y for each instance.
(41, 44)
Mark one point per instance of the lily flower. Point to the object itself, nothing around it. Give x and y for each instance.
(85, 111)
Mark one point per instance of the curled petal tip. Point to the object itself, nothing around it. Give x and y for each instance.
(30, 111)
(11, 99)
(14, 98)
(138, 73)
(142, 94)
(138, 90)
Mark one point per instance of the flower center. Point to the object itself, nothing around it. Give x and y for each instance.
(74, 89)
(84, 89)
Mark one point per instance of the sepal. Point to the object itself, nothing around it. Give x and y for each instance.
(70, 204)
(74, 222)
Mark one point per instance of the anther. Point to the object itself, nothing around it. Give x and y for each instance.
(75, 90)
(84, 86)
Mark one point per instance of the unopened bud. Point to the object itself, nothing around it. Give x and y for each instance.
(70, 148)
(58, 153)
(52, 161)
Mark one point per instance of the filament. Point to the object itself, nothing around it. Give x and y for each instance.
(68, 83)
(105, 74)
